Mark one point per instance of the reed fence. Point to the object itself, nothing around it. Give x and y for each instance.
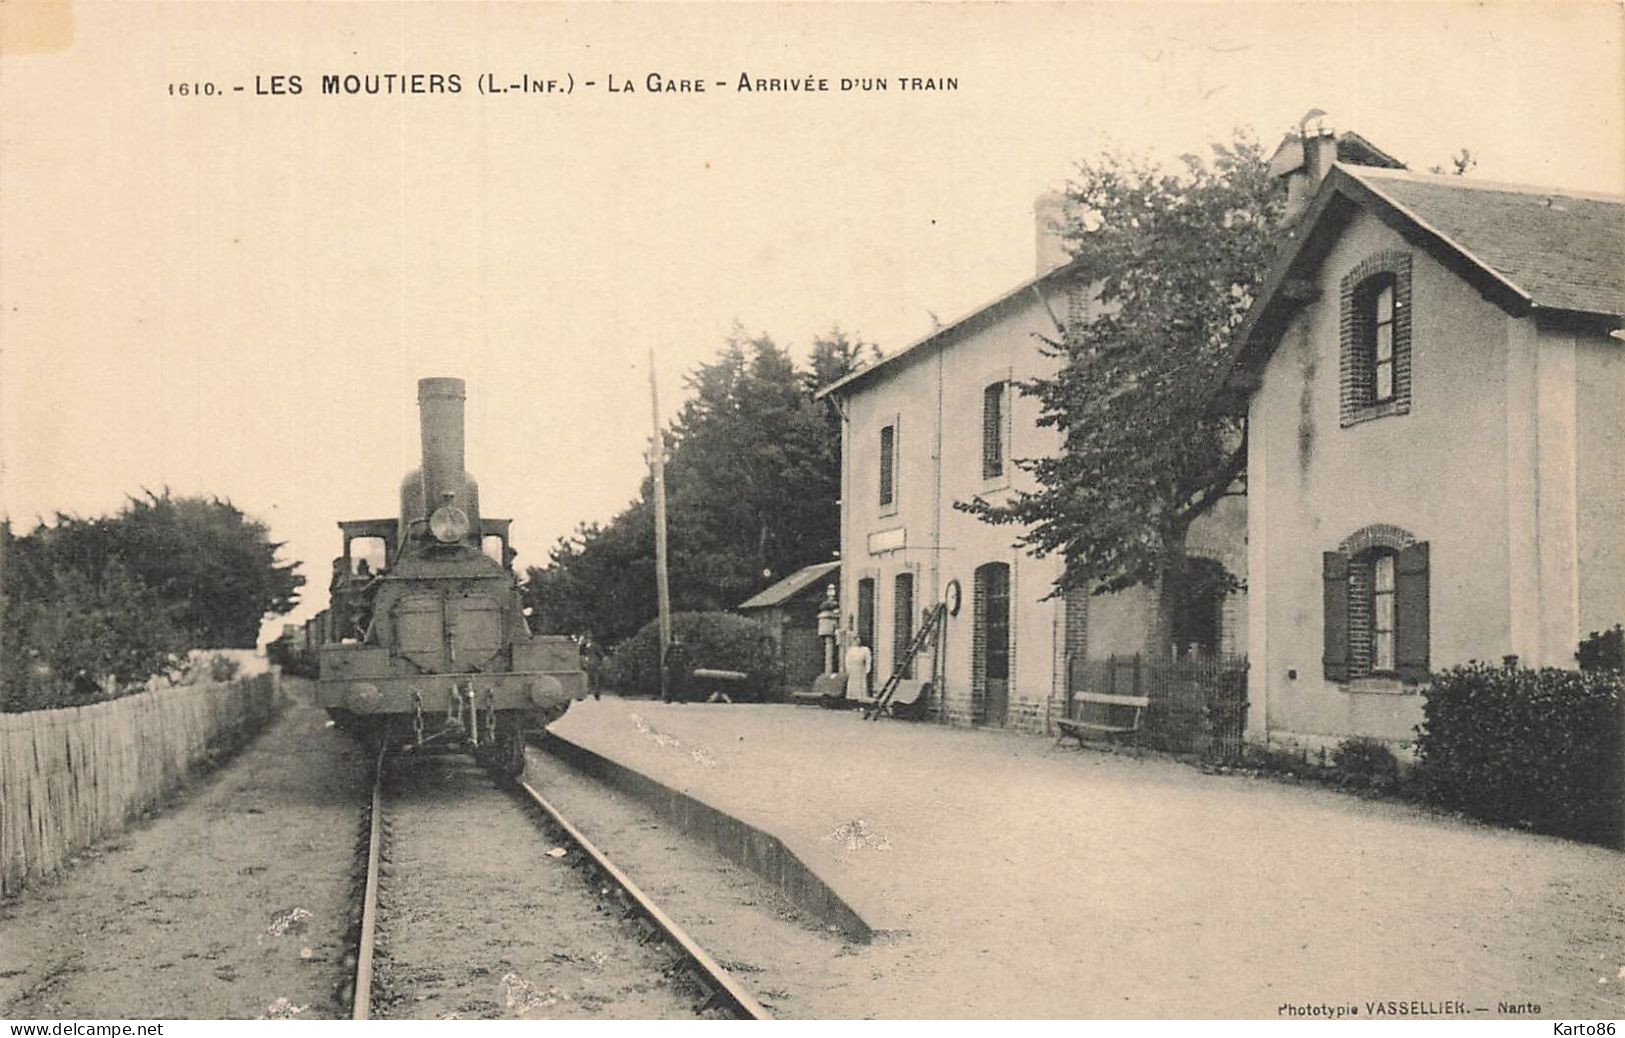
(72, 777)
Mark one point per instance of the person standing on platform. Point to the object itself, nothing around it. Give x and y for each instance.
(858, 663)
(678, 671)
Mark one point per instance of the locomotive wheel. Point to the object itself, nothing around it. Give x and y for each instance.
(506, 758)
(512, 750)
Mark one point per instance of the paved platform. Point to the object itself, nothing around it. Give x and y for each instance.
(1055, 882)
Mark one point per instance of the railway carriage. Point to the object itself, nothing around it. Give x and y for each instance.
(430, 648)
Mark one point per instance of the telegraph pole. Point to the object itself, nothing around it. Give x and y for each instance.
(657, 462)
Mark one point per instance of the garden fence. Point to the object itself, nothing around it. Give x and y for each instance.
(1198, 704)
(71, 777)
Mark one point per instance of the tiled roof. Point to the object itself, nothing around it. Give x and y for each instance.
(790, 586)
(1527, 249)
(1562, 250)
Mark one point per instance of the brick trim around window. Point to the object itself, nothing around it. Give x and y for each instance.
(1356, 378)
(1348, 633)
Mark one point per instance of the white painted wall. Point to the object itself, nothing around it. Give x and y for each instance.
(1510, 464)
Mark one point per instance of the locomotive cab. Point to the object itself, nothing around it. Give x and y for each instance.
(432, 650)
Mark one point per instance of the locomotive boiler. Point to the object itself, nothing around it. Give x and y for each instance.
(432, 650)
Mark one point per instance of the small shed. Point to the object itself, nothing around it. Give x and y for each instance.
(789, 608)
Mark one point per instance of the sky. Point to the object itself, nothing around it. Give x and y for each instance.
(233, 293)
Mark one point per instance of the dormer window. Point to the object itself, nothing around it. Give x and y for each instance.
(1376, 338)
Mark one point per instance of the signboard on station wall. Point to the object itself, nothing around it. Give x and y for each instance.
(894, 539)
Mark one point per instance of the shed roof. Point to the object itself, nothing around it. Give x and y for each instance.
(780, 592)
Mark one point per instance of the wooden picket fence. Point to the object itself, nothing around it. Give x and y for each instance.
(71, 777)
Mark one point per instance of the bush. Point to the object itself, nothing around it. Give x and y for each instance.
(223, 668)
(1603, 650)
(94, 608)
(73, 639)
(1365, 763)
(724, 641)
(1538, 749)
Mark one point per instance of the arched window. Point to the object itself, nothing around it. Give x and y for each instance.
(1380, 563)
(1197, 621)
(1376, 338)
(1376, 607)
(1377, 335)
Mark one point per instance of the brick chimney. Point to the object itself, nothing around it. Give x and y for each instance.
(1049, 221)
(1303, 162)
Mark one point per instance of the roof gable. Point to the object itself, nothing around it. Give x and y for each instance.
(1563, 250)
(1351, 148)
(954, 330)
(1525, 249)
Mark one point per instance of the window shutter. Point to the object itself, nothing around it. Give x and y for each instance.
(1334, 573)
(1411, 613)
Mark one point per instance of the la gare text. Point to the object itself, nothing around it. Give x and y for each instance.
(396, 83)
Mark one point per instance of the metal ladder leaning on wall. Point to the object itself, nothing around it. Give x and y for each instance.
(923, 637)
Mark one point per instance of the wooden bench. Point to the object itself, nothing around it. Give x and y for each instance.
(1107, 722)
(717, 682)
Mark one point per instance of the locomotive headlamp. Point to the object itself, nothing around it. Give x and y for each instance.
(449, 524)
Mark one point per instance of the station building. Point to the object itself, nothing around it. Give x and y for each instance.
(1436, 466)
(941, 421)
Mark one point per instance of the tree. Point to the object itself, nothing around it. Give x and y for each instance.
(752, 477)
(1147, 445)
(78, 637)
(599, 582)
(217, 564)
(1461, 163)
(95, 607)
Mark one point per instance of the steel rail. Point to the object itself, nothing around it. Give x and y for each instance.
(723, 987)
(361, 1006)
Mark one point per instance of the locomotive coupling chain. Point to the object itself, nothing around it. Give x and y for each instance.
(454, 708)
(463, 694)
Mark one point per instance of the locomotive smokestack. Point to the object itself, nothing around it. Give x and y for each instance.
(440, 408)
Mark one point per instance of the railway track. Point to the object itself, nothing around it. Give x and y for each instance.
(663, 946)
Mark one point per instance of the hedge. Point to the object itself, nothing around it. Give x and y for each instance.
(1537, 749)
(723, 641)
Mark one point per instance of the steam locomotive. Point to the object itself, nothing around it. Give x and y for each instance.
(432, 649)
